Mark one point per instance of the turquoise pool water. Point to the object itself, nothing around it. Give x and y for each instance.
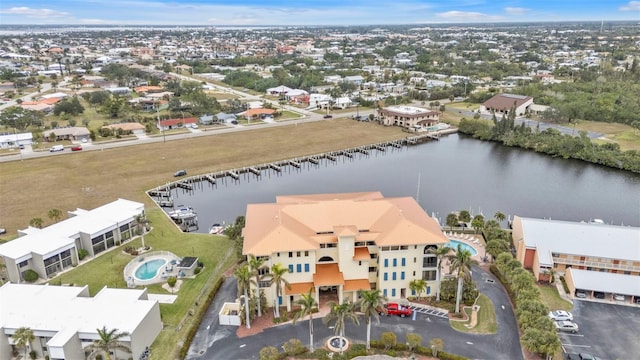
(454, 245)
(149, 269)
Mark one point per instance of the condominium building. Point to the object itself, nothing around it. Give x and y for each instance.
(409, 117)
(55, 248)
(338, 244)
(65, 319)
(587, 249)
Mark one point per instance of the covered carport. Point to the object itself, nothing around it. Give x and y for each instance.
(590, 282)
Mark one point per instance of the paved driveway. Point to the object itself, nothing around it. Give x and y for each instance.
(213, 341)
(608, 331)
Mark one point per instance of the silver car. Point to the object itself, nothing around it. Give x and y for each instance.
(560, 315)
(567, 326)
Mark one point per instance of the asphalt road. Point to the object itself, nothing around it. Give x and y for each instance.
(213, 341)
(607, 330)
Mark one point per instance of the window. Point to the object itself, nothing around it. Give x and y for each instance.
(359, 263)
(306, 253)
(263, 271)
(393, 276)
(384, 292)
(290, 254)
(291, 268)
(393, 292)
(402, 275)
(404, 247)
(385, 277)
(371, 243)
(24, 263)
(404, 262)
(374, 256)
(429, 275)
(386, 262)
(372, 269)
(415, 260)
(395, 262)
(306, 267)
(414, 273)
(299, 268)
(263, 284)
(430, 261)
(298, 254)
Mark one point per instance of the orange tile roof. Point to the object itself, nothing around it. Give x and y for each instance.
(355, 285)
(361, 253)
(301, 222)
(49, 101)
(328, 275)
(298, 288)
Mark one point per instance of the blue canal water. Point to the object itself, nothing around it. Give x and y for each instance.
(452, 174)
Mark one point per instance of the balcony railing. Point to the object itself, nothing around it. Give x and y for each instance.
(596, 264)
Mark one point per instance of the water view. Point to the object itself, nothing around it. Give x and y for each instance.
(451, 174)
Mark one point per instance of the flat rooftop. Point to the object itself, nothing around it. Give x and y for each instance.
(408, 110)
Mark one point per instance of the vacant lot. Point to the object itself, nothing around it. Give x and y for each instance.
(28, 189)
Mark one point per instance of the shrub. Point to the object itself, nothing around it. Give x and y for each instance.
(33, 355)
(376, 344)
(391, 353)
(436, 346)
(564, 284)
(194, 328)
(82, 253)
(197, 270)
(293, 347)
(388, 339)
(99, 357)
(269, 353)
(413, 341)
(446, 356)
(30, 276)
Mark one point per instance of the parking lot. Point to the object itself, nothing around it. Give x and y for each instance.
(607, 330)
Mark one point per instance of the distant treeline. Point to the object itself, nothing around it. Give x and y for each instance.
(552, 142)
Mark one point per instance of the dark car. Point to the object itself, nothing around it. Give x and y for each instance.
(180, 173)
(598, 295)
(234, 122)
(76, 148)
(328, 116)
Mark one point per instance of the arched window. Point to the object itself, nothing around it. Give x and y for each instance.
(326, 259)
(429, 248)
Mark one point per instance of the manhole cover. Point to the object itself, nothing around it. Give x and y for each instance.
(490, 281)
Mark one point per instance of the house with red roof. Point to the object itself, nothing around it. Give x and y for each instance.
(175, 123)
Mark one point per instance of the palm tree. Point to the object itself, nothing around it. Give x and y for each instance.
(370, 301)
(499, 216)
(54, 214)
(255, 264)
(243, 275)
(307, 303)
(277, 278)
(418, 286)
(141, 223)
(109, 340)
(440, 253)
(461, 263)
(23, 338)
(338, 314)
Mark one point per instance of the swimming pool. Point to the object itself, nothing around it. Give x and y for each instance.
(149, 269)
(454, 245)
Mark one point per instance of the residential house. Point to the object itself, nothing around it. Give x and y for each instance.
(410, 117)
(225, 118)
(502, 103)
(65, 319)
(55, 248)
(72, 133)
(169, 124)
(15, 140)
(338, 244)
(585, 253)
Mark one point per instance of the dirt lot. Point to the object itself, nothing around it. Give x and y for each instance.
(30, 188)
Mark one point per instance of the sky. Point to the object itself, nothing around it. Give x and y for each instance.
(319, 12)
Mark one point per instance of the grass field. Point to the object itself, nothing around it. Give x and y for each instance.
(487, 323)
(550, 297)
(88, 179)
(625, 135)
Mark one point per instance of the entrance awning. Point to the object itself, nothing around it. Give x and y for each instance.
(298, 288)
(361, 253)
(355, 285)
(328, 275)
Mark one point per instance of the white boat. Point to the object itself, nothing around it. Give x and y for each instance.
(182, 212)
(217, 229)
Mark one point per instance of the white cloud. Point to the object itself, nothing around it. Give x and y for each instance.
(33, 13)
(467, 16)
(516, 10)
(631, 6)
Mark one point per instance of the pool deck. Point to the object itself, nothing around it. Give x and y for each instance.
(166, 271)
(476, 241)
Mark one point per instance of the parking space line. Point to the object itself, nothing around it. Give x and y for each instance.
(582, 346)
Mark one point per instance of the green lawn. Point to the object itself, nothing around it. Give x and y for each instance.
(107, 270)
(549, 296)
(486, 318)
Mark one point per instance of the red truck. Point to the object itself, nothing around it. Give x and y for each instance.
(395, 309)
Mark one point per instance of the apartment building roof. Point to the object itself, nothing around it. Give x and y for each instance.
(606, 282)
(506, 101)
(303, 222)
(564, 237)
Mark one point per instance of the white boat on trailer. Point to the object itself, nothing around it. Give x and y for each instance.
(217, 229)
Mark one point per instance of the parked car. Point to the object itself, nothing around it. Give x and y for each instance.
(560, 315)
(194, 126)
(636, 300)
(581, 356)
(55, 148)
(21, 147)
(395, 309)
(598, 295)
(618, 297)
(581, 294)
(3, 231)
(76, 148)
(567, 326)
(234, 122)
(180, 173)
(328, 116)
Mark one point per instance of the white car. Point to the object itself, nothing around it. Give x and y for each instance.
(561, 315)
(618, 297)
(581, 294)
(567, 326)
